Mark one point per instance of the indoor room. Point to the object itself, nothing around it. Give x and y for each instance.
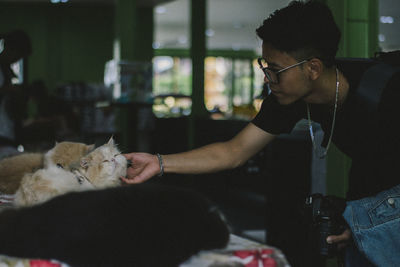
(170, 132)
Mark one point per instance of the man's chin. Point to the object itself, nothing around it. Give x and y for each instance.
(285, 101)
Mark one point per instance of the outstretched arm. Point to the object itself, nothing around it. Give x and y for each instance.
(210, 158)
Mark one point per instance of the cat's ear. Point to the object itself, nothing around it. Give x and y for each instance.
(111, 141)
(84, 163)
(90, 148)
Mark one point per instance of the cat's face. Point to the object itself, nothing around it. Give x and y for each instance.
(65, 153)
(104, 166)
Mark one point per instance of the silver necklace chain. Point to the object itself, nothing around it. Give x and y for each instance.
(333, 120)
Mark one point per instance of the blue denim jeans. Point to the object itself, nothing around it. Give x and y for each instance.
(375, 224)
(352, 257)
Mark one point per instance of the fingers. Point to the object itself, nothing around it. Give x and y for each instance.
(134, 177)
(128, 156)
(344, 237)
(141, 167)
(129, 181)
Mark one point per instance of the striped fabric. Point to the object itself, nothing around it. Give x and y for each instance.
(6, 199)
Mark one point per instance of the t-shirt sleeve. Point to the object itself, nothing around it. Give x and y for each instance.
(275, 118)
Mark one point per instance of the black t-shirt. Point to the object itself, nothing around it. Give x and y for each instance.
(369, 136)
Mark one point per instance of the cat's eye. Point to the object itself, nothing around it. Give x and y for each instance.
(59, 165)
(106, 160)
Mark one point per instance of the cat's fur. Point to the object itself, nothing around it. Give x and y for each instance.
(101, 168)
(104, 166)
(13, 169)
(46, 183)
(138, 225)
(66, 153)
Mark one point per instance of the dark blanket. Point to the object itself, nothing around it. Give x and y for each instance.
(138, 225)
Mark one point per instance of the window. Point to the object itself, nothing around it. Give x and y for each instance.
(389, 21)
(172, 86)
(233, 86)
(218, 84)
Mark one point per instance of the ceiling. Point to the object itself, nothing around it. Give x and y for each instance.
(111, 2)
(231, 24)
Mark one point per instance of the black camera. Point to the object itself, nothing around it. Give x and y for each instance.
(324, 214)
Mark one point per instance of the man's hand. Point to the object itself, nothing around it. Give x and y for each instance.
(143, 167)
(341, 239)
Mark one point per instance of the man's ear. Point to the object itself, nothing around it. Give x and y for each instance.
(315, 68)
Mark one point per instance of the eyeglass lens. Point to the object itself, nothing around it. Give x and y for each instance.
(271, 75)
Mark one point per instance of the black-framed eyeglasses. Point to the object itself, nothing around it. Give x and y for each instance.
(273, 75)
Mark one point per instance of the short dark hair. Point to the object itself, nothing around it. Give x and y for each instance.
(303, 30)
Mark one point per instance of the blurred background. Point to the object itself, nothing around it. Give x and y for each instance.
(169, 75)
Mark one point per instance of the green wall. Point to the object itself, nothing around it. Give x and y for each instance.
(358, 22)
(70, 43)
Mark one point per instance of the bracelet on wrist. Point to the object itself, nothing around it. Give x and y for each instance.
(160, 161)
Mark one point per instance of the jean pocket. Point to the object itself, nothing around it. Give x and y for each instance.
(385, 210)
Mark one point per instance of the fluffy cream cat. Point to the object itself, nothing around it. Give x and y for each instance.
(46, 183)
(99, 169)
(13, 169)
(66, 153)
(104, 166)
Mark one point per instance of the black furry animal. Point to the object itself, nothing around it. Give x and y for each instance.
(139, 225)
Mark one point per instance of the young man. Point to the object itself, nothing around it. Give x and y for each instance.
(299, 47)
